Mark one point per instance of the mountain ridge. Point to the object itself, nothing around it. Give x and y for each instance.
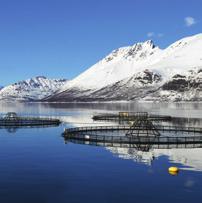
(32, 89)
(178, 58)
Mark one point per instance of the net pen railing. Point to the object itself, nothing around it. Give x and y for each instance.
(28, 118)
(120, 127)
(137, 146)
(144, 140)
(28, 121)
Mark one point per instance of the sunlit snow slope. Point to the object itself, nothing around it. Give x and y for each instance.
(126, 63)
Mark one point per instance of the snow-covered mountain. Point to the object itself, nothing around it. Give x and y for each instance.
(138, 71)
(137, 86)
(142, 71)
(116, 66)
(31, 89)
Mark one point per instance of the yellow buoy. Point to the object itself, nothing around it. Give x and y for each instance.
(173, 170)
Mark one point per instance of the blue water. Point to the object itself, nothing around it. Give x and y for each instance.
(36, 166)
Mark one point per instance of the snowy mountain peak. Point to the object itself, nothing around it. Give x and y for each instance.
(41, 77)
(142, 50)
(149, 44)
(31, 89)
(138, 51)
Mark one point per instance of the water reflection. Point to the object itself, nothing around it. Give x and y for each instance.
(80, 114)
(133, 154)
(193, 110)
(14, 129)
(190, 158)
(37, 167)
(189, 155)
(11, 129)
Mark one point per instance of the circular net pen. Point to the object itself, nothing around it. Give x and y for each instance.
(136, 136)
(12, 120)
(122, 117)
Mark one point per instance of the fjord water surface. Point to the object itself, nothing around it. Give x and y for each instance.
(37, 165)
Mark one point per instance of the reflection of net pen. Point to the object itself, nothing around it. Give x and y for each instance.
(139, 146)
(14, 128)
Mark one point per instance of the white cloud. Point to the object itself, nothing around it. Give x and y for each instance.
(189, 21)
(150, 34)
(153, 34)
(160, 35)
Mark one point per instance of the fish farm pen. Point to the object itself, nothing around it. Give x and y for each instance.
(130, 116)
(142, 131)
(100, 134)
(11, 119)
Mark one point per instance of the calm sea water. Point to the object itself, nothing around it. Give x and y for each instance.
(36, 166)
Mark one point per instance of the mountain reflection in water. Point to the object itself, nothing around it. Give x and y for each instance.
(191, 159)
(189, 156)
(36, 165)
(75, 115)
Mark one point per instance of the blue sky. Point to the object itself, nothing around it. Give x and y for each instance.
(62, 38)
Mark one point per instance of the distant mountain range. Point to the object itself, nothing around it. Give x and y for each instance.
(142, 71)
(32, 89)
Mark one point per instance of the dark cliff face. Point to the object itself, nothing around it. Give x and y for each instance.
(148, 77)
(183, 83)
(177, 84)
